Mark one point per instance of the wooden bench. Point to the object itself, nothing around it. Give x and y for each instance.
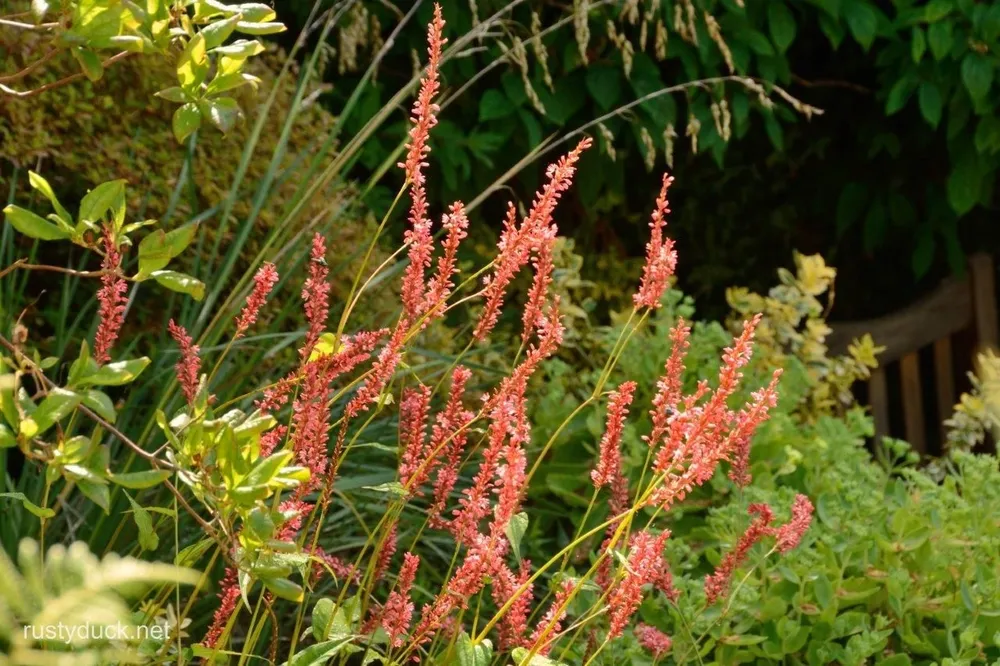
(956, 306)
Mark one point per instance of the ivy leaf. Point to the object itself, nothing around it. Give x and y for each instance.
(937, 10)
(977, 75)
(180, 282)
(781, 23)
(187, 119)
(33, 226)
(148, 539)
(929, 97)
(862, 21)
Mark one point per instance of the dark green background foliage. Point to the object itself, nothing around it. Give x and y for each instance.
(896, 175)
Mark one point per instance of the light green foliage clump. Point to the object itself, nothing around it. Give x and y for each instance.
(977, 413)
(793, 329)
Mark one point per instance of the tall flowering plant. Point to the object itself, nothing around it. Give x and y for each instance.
(261, 474)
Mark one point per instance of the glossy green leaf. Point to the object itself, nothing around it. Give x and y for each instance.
(101, 404)
(141, 480)
(148, 539)
(109, 196)
(931, 103)
(977, 75)
(33, 226)
(781, 23)
(862, 22)
(223, 112)
(40, 512)
(117, 373)
(42, 185)
(158, 248)
(192, 66)
(90, 63)
(516, 528)
(260, 27)
(186, 120)
(219, 31)
(180, 282)
(57, 405)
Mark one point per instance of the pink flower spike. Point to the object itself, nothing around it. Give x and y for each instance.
(424, 118)
(264, 280)
(652, 639)
(316, 294)
(717, 583)
(449, 424)
(551, 624)
(514, 623)
(398, 610)
(413, 409)
(517, 242)
(188, 368)
(111, 313)
(790, 534)
(661, 258)
(609, 463)
(645, 565)
(440, 286)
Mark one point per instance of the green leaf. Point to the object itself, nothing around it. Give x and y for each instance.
(862, 21)
(241, 48)
(939, 38)
(42, 185)
(284, 588)
(97, 493)
(57, 405)
(148, 539)
(260, 27)
(109, 196)
(101, 404)
(937, 10)
(187, 119)
(977, 75)
(141, 480)
(923, 252)
(40, 512)
(180, 282)
(320, 653)
(192, 66)
(931, 104)
(265, 470)
(987, 138)
(117, 373)
(389, 488)
(781, 23)
(219, 31)
(964, 183)
(899, 94)
(604, 82)
(7, 438)
(494, 104)
(322, 619)
(33, 226)
(223, 112)
(896, 660)
(173, 94)
(90, 63)
(473, 654)
(515, 532)
(520, 656)
(158, 248)
(918, 45)
(823, 590)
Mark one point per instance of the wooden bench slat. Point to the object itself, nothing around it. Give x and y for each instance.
(913, 407)
(944, 381)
